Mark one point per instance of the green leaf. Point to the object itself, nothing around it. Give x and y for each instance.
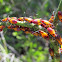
(14, 33)
(1, 1)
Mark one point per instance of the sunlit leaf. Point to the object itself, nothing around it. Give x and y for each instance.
(14, 33)
(1, 1)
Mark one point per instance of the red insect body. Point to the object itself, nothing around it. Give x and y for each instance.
(37, 21)
(46, 22)
(21, 19)
(59, 13)
(30, 20)
(13, 21)
(51, 31)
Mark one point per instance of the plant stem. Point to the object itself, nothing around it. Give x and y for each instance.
(4, 41)
(56, 23)
(56, 15)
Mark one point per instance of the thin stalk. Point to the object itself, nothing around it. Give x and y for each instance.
(56, 15)
(4, 41)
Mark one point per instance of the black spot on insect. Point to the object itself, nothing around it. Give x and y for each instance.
(61, 19)
(57, 37)
(52, 34)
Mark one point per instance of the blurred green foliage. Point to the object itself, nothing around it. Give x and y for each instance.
(30, 47)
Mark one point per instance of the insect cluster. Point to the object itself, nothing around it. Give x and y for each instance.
(48, 25)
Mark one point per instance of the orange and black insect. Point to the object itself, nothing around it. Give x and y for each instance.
(51, 51)
(21, 19)
(59, 39)
(14, 18)
(51, 31)
(10, 27)
(6, 19)
(36, 33)
(60, 15)
(26, 30)
(44, 34)
(37, 21)
(51, 19)
(1, 27)
(28, 19)
(46, 22)
(16, 28)
(13, 21)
